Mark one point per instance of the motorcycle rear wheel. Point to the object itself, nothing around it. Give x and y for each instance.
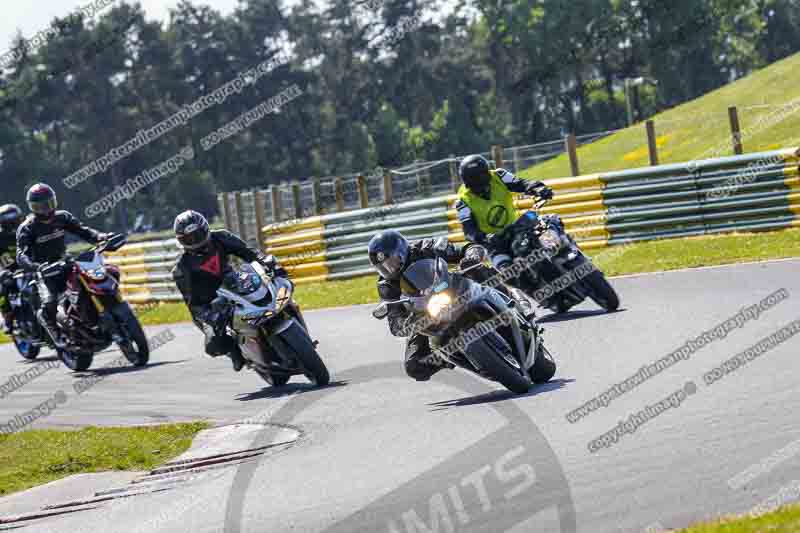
(76, 360)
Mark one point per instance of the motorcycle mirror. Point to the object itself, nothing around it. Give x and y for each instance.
(380, 312)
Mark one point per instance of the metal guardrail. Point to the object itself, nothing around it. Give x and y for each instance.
(753, 192)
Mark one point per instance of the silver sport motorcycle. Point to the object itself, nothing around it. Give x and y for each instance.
(269, 327)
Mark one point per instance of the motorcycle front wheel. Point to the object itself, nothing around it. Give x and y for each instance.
(27, 349)
(136, 348)
(297, 341)
(602, 292)
(544, 368)
(496, 366)
(276, 380)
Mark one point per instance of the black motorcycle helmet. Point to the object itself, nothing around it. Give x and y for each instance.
(192, 231)
(42, 200)
(474, 173)
(388, 253)
(10, 218)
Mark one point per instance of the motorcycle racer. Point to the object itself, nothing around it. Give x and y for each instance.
(201, 270)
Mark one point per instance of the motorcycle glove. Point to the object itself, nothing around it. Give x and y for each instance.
(537, 188)
(474, 255)
(493, 241)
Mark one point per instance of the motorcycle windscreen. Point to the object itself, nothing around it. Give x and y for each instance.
(427, 276)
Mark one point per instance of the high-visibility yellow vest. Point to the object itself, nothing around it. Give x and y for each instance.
(496, 213)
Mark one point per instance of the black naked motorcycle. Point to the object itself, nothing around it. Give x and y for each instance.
(92, 313)
(473, 326)
(269, 326)
(561, 276)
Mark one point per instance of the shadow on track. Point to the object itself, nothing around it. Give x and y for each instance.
(47, 359)
(110, 371)
(289, 389)
(575, 315)
(500, 395)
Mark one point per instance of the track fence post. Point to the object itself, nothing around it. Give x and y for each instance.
(455, 182)
(572, 149)
(275, 202)
(258, 206)
(388, 192)
(316, 196)
(651, 142)
(736, 134)
(297, 200)
(497, 155)
(226, 211)
(242, 227)
(337, 184)
(363, 192)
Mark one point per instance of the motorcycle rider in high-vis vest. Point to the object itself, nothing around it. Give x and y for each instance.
(485, 205)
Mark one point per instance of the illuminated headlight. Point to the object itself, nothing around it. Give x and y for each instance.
(96, 274)
(438, 303)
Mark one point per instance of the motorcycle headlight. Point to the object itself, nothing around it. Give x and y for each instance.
(96, 274)
(438, 303)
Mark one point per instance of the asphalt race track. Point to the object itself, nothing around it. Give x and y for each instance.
(379, 452)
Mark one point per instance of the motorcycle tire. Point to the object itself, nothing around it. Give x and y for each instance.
(75, 360)
(298, 342)
(276, 380)
(544, 368)
(26, 349)
(494, 365)
(139, 356)
(602, 292)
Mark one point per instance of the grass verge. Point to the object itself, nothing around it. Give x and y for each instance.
(34, 457)
(652, 256)
(783, 520)
(700, 128)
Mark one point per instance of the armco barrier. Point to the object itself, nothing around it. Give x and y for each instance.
(752, 192)
(599, 210)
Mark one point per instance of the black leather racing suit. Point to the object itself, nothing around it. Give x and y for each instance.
(41, 241)
(8, 266)
(198, 275)
(401, 321)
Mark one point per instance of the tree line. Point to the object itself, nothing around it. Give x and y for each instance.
(383, 82)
